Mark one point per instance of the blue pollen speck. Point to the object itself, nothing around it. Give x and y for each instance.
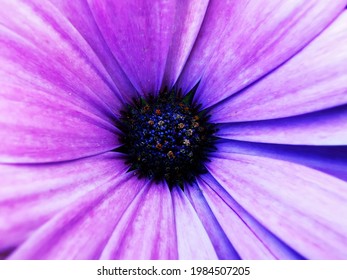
(166, 137)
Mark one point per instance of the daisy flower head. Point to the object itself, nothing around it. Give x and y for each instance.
(170, 129)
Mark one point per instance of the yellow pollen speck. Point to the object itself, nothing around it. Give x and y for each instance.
(195, 124)
(159, 146)
(180, 125)
(171, 155)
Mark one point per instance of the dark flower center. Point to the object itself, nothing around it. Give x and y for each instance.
(166, 137)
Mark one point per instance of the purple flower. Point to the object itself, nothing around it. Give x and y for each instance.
(272, 76)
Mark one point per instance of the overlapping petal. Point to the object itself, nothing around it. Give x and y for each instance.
(41, 49)
(314, 79)
(38, 127)
(224, 249)
(189, 17)
(86, 26)
(327, 127)
(141, 35)
(241, 41)
(31, 194)
(329, 159)
(146, 229)
(58, 101)
(301, 206)
(190, 230)
(248, 236)
(82, 230)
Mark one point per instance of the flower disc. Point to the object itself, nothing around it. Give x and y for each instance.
(166, 137)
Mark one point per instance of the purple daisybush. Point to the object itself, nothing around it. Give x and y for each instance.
(171, 129)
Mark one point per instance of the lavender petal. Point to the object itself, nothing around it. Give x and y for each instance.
(34, 127)
(224, 249)
(190, 231)
(87, 28)
(139, 35)
(31, 194)
(241, 41)
(82, 230)
(189, 17)
(328, 159)
(327, 127)
(146, 229)
(41, 49)
(314, 79)
(300, 205)
(249, 237)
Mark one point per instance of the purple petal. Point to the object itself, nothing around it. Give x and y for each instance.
(48, 72)
(189, 17)
(82, 230)
(329, 159)
(315, 79)
(249, 237)
(139, 34)
(224, 249)
(41, 49)
(32, 194)
(38, 127)
(302, 206)
(89, 30)
(328, 127)
(192, 239)
(146, 229)
(241, 41)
